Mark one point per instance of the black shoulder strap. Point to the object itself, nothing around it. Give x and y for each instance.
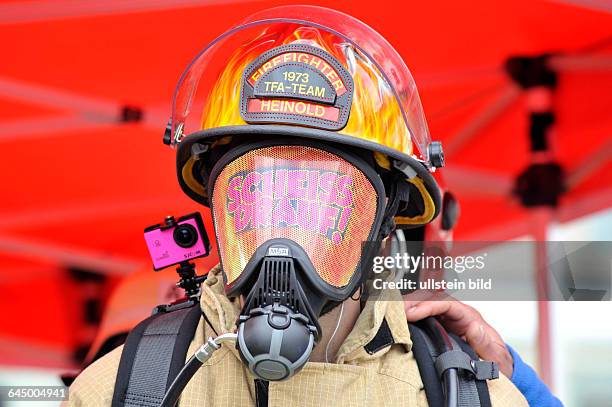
(422, 351)
(473, 389)
(153, 354)
(481, 385)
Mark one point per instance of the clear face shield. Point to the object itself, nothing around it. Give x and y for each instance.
(385, 107)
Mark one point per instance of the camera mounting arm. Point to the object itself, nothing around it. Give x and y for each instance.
(189, 281)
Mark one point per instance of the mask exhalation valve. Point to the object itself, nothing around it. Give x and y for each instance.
(276, 329)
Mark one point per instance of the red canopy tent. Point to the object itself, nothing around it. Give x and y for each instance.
(85, 90)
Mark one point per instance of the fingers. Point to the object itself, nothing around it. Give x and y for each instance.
(419, 296)
(476, 336)
(417, 311)
(462, 320)
(442, 305)
(489, 346)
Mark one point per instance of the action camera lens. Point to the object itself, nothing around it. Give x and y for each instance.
(185, 236)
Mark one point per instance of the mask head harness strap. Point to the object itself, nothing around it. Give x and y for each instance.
(398, 193)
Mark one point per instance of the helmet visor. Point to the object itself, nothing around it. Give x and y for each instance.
(316, 198)
(386, 108)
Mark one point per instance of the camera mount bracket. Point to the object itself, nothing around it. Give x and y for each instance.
(189, 281)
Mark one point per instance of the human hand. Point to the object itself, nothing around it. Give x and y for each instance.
(466, 322)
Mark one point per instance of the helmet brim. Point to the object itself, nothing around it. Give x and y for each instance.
(184, 151)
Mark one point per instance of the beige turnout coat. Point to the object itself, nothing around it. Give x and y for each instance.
(389, 377)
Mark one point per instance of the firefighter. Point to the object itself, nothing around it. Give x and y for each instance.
(312, 141)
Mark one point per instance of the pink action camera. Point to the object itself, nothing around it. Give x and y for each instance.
(177, 240)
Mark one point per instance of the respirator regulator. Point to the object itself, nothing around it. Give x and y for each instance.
(278, 327)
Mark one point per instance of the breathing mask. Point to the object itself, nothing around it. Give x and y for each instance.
(290, 220)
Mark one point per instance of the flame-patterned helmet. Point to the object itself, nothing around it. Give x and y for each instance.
(311, 73)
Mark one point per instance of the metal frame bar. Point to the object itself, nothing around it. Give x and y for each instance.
(493, 110)
(36, 11)
(586, 205)
(18, 130)
(578, 63)
(589, 165)
(36, 250)
(597, 5)
(99, 209)
(477, 182)
(75, 111)
(541, 218)
(463, 75)
(57, 99)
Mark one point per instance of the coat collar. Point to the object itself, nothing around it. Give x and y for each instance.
(388, 309)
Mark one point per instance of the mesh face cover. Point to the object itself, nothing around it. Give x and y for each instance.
(316, 198)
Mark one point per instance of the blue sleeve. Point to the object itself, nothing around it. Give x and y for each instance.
(530, 385)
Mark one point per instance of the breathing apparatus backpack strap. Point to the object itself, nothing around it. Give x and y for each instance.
(472, 373)
(156, 349)
(153, 354)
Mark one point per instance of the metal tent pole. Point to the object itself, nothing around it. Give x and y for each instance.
(541, 184)
(541, 221)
